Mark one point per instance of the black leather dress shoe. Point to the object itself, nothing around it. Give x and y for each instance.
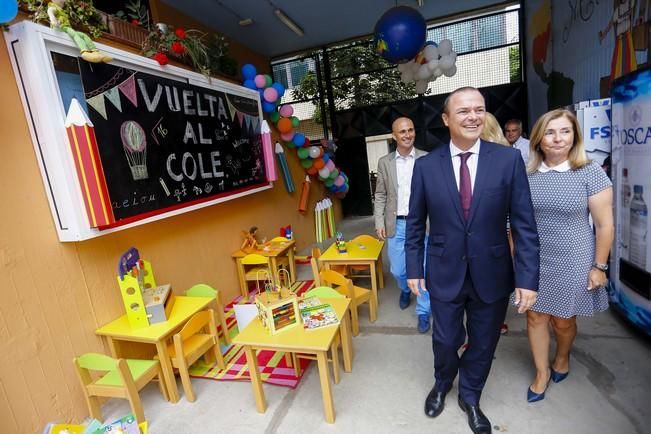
(477, 420)
(435, 402)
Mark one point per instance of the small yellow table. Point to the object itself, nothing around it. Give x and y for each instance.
(273, 250)
(156, 334)
(299, 340)
(358, 254)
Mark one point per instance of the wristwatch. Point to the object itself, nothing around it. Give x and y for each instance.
(602, 267)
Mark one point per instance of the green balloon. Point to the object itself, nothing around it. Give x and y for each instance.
(274, 116)
(268, 81)
(290, 145)
(306, 163)
(295, 121)
(334, 173)
(329, 182)
(303, 153)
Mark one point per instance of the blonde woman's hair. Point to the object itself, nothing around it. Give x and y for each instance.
(492, 131)
(577, 157)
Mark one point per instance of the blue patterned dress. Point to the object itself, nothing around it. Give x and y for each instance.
(567, 243)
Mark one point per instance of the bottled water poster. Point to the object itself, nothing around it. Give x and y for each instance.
(167, 144)
(631, 141)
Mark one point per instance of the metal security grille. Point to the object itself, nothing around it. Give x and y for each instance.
(352, 75)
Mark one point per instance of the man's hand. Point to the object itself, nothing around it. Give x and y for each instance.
(381, 233)
(524, 299)
(415, 286)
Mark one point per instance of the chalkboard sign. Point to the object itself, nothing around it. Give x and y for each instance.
(167, 144)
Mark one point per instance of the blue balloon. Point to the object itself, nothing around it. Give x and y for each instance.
(8, 10)
(250, 84)
(279, 88)
(400, 34)
(248, 71)
(299, 139)
(268, 107)
(325, 157)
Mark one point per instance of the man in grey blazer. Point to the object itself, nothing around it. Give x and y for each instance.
(392, 192)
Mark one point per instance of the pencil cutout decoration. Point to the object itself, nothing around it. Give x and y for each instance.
(282, 162)
(81, 136)
(267, 151)
(305, 195)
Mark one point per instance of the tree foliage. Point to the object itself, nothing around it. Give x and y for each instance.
(359, 78)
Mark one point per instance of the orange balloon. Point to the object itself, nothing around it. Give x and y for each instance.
(319, 163)
(284, 125)
(312, 170)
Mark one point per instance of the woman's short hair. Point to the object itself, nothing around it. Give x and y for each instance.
(577, 157)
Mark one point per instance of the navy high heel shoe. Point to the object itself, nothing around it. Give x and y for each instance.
(557, 377)
(535, 397)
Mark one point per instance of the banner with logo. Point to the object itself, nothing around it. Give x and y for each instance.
(630, 288)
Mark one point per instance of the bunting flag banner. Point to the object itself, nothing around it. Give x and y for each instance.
(90, 173)
(113, 95)
(240, 117)
(128, 89)
(97, 102)
(231, 108)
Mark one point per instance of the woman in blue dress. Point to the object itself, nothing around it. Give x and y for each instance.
(566, 188)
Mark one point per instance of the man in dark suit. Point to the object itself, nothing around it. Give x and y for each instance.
(468, 190)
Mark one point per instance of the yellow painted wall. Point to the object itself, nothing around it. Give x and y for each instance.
(54, 295)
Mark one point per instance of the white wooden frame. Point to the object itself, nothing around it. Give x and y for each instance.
(29, 46)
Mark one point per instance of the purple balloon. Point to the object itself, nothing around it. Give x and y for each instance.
(270, 94)
(260, 81)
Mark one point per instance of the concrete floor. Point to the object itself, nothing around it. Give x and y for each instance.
(608, 390)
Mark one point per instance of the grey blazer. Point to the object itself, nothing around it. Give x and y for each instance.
(386, 193)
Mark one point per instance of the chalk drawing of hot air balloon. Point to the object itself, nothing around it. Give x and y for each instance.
(134, 142)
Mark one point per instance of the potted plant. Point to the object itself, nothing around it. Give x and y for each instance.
(131, 24)
(82, 14)
(207, 53)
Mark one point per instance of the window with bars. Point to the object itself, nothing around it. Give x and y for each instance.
(489, 53)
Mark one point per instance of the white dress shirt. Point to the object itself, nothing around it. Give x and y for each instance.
(471, 162)
(404, 169)
(563, 167)
(522, 145)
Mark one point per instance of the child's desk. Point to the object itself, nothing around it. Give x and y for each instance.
(298, 340)
(273, 250)
(156, 334)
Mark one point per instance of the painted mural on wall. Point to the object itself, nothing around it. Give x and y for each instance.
(576, 47)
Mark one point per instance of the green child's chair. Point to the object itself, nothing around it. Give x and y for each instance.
(118, 378)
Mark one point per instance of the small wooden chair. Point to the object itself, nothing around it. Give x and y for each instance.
(355, 271)
(282, 261)
(193, 342)
(357, 295)
(322, 292)
(203, 290)
(316, 254)
(121, 378)
(256, 267)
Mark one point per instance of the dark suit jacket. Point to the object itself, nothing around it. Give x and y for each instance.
(501, 189)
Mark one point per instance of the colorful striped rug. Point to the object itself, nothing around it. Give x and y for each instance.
(273, 369)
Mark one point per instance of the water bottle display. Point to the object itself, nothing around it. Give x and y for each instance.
(625, 200)
(638, 228)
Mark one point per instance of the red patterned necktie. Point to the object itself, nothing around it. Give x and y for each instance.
(465, 187)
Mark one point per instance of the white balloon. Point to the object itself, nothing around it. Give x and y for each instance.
(431, 52)
(421, 87)
(446, 62)
(402, 67)
(453, 55)
(407, 76)
(433, 64)
(324, 172)
(437, 72)
(414, 67)
(445, 47)
(423, 72)
(451, 71)
(314, 152)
